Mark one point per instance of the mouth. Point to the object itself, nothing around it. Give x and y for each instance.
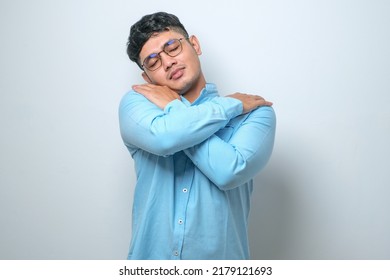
(176, 73)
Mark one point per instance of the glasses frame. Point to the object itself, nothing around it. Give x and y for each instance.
(163, 50)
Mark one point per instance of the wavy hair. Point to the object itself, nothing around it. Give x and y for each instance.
(146, 27)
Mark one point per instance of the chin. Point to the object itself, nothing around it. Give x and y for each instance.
(180, 87)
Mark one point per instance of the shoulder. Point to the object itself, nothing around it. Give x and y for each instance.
(131, 96)
(264, 115)
(264, 111)
(133, 101)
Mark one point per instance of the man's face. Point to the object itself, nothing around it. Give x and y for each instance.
(180, 73)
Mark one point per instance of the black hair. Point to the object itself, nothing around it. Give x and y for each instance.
(142, 30)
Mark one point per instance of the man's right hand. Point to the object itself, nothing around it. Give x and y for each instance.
(250, 101)
(159, 95)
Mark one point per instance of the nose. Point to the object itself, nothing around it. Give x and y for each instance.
(167, 61)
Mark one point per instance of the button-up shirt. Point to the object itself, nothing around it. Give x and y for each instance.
(194, 164)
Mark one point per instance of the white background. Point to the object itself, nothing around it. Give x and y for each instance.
(66, 179)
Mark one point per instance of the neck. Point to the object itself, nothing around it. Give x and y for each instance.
(193, 92)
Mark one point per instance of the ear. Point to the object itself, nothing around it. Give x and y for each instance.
(195, 44)
(146, 78)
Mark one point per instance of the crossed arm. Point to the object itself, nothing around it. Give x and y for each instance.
(162, 95)
(230, 163)
(172, 126)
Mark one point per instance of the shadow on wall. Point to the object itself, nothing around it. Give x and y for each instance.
(273, 212)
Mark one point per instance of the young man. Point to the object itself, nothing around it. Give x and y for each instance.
(195, 152)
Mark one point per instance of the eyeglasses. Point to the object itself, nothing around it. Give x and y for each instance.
(172, 48)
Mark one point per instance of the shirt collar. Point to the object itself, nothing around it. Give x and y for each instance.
(208, 92)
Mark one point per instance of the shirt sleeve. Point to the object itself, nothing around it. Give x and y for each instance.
(231, 163)
(164, 132)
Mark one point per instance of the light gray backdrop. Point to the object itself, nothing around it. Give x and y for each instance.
(66, 180)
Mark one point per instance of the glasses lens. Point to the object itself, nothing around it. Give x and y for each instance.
(152, 62)
(173, 47)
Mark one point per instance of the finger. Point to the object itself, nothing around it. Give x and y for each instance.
(143, 89)
(267, 103)
(142, 86)
(137, 87)
(262, 102)
(258, 97)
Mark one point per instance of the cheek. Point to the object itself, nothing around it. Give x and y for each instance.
(155, 80)
(157, 77)
(193, 62)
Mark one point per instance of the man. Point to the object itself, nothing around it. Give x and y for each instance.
(195, 152)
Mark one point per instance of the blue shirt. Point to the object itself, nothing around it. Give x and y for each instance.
(194, 165)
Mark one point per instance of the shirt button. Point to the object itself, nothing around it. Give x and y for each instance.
(185, 190)
(180, 222)
(176, 253)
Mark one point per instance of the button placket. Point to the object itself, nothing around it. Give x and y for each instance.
(182, 196)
